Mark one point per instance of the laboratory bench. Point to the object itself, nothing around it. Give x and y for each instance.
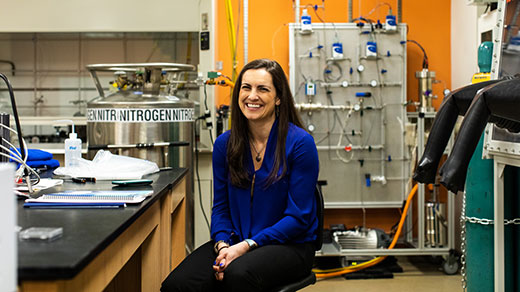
(126, 249)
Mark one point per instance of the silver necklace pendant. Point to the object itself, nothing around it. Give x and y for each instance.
(258, 158)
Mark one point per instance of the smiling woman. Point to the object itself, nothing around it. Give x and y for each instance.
(265, 169)
(257, 97)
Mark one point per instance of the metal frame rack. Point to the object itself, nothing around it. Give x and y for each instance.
(378, 170)
(503, 153)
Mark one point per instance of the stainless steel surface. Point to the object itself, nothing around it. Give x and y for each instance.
(146, 114)
(356, 239)
(121, 133)
(151, 73)
(435, 230)
(425, 78)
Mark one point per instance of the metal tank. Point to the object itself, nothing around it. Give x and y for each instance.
(143, 119)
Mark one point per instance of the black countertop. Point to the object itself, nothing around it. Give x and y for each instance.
(86, 232)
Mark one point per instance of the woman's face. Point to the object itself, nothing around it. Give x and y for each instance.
(257, 97)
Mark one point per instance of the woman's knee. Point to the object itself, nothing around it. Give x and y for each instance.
(240, 278)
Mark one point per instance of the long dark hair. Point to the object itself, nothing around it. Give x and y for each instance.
(239, 138)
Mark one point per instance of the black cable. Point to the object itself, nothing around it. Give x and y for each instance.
(487, 7)
(369, 21)
(16, 118)
(198, 177)
(211, 137)
(316, 13)
(205, 97)
(425, 57)
(207, 109)
(329, 95)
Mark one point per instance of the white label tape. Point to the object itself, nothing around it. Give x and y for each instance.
(140, 115)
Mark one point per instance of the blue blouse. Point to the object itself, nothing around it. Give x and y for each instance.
(285, 212)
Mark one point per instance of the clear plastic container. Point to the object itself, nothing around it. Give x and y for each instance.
(72, 150)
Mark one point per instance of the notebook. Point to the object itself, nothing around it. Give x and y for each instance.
(128, 197)
(104, 205)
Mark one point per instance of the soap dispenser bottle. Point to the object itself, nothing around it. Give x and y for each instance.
(72, 148)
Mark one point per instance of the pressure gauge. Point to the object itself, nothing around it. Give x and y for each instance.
(344, 83)
(357, 107)
(311, 128)
(373, 83)
(361, 68)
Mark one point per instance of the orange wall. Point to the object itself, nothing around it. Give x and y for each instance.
(428, 22)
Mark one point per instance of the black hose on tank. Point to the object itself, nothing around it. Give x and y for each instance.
(497, 103)
(453, 105)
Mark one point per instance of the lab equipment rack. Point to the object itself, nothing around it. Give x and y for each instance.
(316, 74)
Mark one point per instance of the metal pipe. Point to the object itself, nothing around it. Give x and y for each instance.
(13, 67)
(80, 57)
(383, 142)
(35, 76)
(319, 106)
(246, 30)
(139, 145)
(82, 88)
(170, 67)
(297, 11)
(350, 18)
(399, 11)
(354, 147)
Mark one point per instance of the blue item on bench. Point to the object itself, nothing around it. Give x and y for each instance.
(51, 163)
(36, 154)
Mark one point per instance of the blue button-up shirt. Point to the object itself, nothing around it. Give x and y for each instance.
(284, 212)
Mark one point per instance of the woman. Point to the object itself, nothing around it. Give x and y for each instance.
(265, 170)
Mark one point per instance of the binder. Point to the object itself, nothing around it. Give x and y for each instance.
(91, 197)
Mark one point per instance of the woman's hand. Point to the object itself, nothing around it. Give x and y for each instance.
(226, 256)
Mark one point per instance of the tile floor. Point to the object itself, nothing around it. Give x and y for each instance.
(419, 274)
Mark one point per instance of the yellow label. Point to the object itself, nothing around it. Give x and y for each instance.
(480, 77)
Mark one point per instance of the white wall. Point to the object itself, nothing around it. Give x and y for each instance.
(99, 15)
(464, 43)
(202, 234)
(206, 63)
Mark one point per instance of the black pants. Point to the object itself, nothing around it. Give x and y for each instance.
(261, 269)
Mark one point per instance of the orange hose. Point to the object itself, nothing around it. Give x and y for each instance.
(377, 260)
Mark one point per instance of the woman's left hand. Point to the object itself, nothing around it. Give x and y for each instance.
(226, 256)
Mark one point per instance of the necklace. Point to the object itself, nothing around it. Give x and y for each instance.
(258, 157)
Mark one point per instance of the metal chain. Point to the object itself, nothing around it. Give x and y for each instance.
(463, 243)
(482, 221)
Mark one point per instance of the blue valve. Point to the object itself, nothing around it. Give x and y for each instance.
(368, 183)
(363, 94)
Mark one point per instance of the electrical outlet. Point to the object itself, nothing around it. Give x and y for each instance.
(204, 21)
